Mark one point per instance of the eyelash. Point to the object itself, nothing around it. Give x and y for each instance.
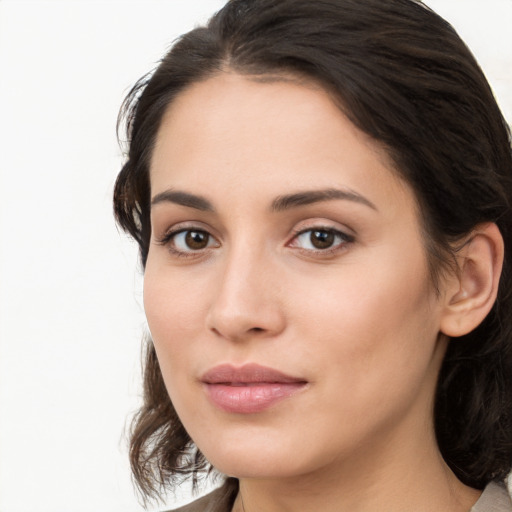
(169, 237)
(343, 240)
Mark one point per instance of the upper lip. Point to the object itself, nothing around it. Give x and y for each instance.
(248, 373)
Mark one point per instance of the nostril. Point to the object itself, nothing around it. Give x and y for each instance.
(256, 329)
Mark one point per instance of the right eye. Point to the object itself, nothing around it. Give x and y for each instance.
(187, 241)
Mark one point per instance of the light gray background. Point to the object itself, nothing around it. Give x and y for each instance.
(70, 289)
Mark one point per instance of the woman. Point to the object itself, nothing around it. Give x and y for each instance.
(321, 193)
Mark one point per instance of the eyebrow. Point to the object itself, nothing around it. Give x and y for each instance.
(279, 204)
(183, 199)
(315, 196)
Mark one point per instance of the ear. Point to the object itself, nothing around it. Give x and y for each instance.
(472, 290)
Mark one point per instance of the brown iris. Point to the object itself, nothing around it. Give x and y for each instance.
(322, 239)
(197, 239)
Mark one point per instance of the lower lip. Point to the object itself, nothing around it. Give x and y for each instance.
(251, 398)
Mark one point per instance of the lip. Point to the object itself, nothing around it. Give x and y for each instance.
(250, 388)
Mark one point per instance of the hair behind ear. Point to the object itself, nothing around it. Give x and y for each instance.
(473, 411)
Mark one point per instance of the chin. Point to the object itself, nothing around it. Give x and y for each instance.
(261, 455)
(244, 467)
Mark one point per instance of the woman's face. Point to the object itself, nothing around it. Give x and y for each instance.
(286, 287)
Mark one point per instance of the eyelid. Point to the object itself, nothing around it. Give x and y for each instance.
(346, 238)
(171, 233)
(179, 227)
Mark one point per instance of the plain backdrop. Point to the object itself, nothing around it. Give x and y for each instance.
(71, 314)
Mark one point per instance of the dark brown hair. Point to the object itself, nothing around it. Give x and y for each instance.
(403, 76)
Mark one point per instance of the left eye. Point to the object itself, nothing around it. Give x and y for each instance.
(320, 239)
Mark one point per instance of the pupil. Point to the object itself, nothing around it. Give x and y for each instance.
(322, 239)
(196, 239)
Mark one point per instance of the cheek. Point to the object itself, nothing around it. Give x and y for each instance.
(374, 318)
(175, 315)
(172, 302)
(368, 294)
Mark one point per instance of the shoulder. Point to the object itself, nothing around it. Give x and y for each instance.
(495, 498)
(220, 500)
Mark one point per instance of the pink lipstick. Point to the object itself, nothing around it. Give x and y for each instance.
(250, 388)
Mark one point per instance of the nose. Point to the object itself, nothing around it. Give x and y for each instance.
(247, 300)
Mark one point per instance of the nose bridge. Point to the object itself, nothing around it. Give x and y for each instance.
(246, 301)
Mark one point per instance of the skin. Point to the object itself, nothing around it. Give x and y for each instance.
(359, 321)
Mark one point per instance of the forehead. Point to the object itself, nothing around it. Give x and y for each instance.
(233, 131)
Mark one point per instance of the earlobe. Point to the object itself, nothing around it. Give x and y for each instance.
(472, 291)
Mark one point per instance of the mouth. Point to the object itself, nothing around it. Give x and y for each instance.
(250, 388)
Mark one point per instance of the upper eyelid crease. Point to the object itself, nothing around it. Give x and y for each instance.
(319, 227)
